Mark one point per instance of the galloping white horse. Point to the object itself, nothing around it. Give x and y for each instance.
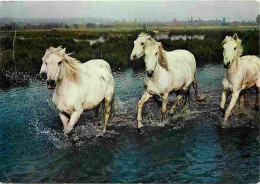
(78, 87)
(241, 73)
(166, 72)
(138, 51)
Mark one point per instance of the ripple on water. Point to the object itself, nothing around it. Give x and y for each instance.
(187, 147)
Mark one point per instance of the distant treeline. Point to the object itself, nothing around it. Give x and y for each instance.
(9, 24)
(22, 53)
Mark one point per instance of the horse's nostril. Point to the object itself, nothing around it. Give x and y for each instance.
(51, 82)
(149, 73)
(44, 76)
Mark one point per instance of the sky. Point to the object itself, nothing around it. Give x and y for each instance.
(145, 10)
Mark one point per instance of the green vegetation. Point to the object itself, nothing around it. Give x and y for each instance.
(30, 46)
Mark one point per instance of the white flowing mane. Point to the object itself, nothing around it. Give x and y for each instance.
(70, 64)
(238, 42)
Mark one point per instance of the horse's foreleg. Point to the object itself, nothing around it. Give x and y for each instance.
(232, 103)
(223, 100)
(107, 111)
(65, 119)
(73, 120)
(164, 104)
(257, 103)
(96, 123)
(141, 102)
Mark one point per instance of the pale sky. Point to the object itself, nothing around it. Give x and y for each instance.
(145, 10)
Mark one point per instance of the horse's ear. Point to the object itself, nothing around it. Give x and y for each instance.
(235, 37)
(62, 52)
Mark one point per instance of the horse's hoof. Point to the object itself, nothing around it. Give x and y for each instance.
(172, 111)
(67, 131)
(104, 130)
(140, 125)
(139, 130)
(224, 124)
(76, 138)
(222, 109)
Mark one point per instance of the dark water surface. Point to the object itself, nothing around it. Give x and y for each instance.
(189, 147)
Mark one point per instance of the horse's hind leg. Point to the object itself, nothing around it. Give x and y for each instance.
(96, 122)
(187, 96)
(108, 104)
(242, 99)
(177, 103)
(195, 87)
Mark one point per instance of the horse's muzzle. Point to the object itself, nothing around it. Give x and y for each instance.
(132, 58)
(51, 84)
(149, 73)
(227, 65)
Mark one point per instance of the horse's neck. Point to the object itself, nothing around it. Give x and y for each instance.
(234, 67)
(159, 72)
(64, 80)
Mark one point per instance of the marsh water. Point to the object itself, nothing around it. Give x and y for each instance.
(188, 147)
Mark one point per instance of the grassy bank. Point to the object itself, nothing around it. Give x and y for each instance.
(30, 46)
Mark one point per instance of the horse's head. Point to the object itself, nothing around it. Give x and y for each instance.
(154, 55)
(232, 50)
(51, 66)
(43, 71)
(138, 50)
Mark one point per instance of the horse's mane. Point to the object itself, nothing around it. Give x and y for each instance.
(70, 64)
(238, 42)
(162, 58)
(161, 55)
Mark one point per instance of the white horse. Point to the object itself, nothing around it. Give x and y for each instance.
(138, 51)
(241, 73)
(166, 72)
(78, 87)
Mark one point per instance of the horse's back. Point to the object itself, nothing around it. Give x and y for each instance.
(183, 56)
(97, 80)
(98, 63)
(182, 63)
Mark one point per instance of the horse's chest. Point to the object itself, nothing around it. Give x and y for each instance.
(158, 87)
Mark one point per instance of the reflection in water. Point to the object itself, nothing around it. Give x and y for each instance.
(189, 148)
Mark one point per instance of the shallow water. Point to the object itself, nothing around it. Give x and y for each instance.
(162, 36)
(189, 147)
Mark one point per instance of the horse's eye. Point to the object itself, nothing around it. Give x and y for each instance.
(235, 48)
(142, 43)
(156, 53)
(59, 63)
(45, 62)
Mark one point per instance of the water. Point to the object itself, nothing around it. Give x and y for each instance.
(189, 148)
(163, 36)
(101, 39)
